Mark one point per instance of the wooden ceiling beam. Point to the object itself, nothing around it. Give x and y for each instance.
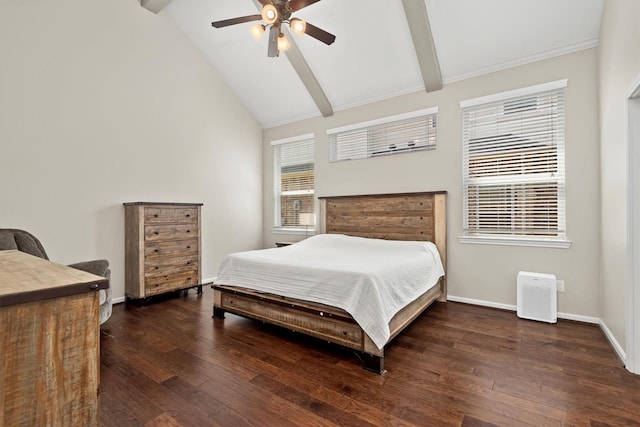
(418, 20)
(305, 73)
(154, 6)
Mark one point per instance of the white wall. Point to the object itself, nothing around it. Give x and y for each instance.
(619, 68)
(486, 273)
(104, 102)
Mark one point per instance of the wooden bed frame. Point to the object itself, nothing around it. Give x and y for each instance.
(406, 216)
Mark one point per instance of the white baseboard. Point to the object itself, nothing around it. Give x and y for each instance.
(568, 316)
(481, 303)
(509, 307)
(580, 318)
(617, 348)
(117, 300)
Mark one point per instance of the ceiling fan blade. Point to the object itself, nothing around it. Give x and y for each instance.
(299, 4)
(320, 34)
(274, 32)
(238, 20)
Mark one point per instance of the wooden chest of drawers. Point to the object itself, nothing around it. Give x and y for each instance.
(162, 248)
(49, 344)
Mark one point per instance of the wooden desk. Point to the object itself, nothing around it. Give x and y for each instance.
(49, 343)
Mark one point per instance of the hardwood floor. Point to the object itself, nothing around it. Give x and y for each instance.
(170, 364)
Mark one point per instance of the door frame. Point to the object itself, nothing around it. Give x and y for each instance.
(632, 309)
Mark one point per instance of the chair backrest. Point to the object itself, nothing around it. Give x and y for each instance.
(21, 240)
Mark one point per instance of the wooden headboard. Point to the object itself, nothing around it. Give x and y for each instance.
(404, 216)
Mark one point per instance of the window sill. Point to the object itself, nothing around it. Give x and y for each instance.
(285, 230)
(516, 241)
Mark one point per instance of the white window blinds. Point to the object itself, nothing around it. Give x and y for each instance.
(513, 164)
(294, 181)
(397, 134)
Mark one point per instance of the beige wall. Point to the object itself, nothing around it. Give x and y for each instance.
(104, 102)
(619, 67)
(479, 272)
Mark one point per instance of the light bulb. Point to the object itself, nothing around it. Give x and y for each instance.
(257, 31)
(283, 43)
(298, 26)
(269, 14)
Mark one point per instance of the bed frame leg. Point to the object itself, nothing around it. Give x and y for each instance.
(218, 313)
(372, 363)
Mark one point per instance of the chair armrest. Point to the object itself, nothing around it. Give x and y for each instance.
(98, 267)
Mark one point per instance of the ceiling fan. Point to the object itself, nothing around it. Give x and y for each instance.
(274, 14)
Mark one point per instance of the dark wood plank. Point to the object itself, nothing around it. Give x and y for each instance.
(456, 365)
(216, 410)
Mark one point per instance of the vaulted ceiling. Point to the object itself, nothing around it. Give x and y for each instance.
(383, 48)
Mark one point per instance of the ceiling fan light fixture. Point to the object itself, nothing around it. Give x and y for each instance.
(269, 14)
(283, 43)
(298, 26)
(257, 31)
(274, 14)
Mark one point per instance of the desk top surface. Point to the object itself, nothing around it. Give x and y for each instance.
(26, 278)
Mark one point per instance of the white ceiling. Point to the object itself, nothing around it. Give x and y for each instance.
(373, 57)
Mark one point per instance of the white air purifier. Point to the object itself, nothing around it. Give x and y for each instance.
(537, 297)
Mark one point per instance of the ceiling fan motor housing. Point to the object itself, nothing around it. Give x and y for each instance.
(284, 11)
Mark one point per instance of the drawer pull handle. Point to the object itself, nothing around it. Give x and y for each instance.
(156, 250)
(188, 247)
(156, 215)
(188, 231)
(188, 262)
(155, 232)
(157, 267)
(188, 216)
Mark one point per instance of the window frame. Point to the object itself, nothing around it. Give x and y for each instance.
(277, 228)
(518, 96)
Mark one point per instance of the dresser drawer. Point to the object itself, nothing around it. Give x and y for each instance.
(170, 215)
(170, 282)
(170, 248)
(168, 232)
(156, 266)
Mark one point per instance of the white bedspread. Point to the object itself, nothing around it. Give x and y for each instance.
(371, 279)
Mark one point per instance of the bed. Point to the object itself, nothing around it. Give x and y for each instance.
(406, 219)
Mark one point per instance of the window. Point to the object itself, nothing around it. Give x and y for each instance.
(293, 182)
(513, 167)
(392, 135)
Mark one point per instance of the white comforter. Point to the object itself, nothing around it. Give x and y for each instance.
(371, 279)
